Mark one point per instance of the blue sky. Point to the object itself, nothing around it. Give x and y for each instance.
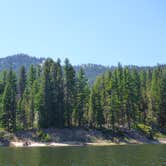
(86, 31)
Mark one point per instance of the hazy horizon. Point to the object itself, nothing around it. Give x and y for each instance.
(62, 61)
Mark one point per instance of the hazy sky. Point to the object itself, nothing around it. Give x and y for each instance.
(85, 31)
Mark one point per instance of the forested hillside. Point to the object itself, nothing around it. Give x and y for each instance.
(16, 61)
(92, 71)
(55, 96)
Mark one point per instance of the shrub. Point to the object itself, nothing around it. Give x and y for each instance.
(44, 137)
(146, 130)
(47, 138)
(40, 134)
(6, 135)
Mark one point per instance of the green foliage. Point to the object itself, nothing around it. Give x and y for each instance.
(160, 135)
(96, 117)
(162, 104)
(44, 137)
(52, 96)
(69, 92)
(50, 101)
(82, 98)
(6, 135)
(146, 130)
(8, 115)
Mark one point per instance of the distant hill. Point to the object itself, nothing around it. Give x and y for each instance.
(92, 70)
(16, 61)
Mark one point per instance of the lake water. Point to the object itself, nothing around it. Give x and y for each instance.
(131, 155)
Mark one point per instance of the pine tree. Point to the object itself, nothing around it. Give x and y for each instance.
(45, 97)
(40, 107)
(92, 109)
(51, 96)
(136, 95)
(144, 98)
(96, 117)
(106, 97)
(31, 85)
(31, 76)
(69, 92)
(60, 95)
(82, 98)
(21, 88)
(8, 118)
(120, 93)
(22, 81)
(155, 94)
(54, 112)
(162, 106)
(128, 96)
(114, 113)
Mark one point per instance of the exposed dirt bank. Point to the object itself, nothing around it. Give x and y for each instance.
(75, 137)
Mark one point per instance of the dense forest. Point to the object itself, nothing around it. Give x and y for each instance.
(55, 96)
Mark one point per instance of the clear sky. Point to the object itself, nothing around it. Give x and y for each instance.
(86, 31)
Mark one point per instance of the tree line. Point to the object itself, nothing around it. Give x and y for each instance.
(55, 96)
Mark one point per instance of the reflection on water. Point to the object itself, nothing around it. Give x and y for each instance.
(132, 155)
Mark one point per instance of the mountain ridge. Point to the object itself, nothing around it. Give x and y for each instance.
(17, 60)
(91, 70)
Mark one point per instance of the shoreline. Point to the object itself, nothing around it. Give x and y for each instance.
(79, 144)
(75, 137)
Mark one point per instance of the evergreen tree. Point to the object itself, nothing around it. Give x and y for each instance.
(82, 98)
(106, 97)
(162, 106)
(8, 117)
(144, 98)
(22, 81)
(60, 95)
(128, 96)
(54, 112)
(21, 89)
(50, 96)
(120, 94)
(155, 94)
(45, 119)
(136, 95)
(96, 117)
(40, 107)
(69, 92)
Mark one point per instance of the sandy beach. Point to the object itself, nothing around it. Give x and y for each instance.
(39, 144)
(101, 143)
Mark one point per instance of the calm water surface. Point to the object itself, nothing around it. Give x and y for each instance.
(132, 155)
